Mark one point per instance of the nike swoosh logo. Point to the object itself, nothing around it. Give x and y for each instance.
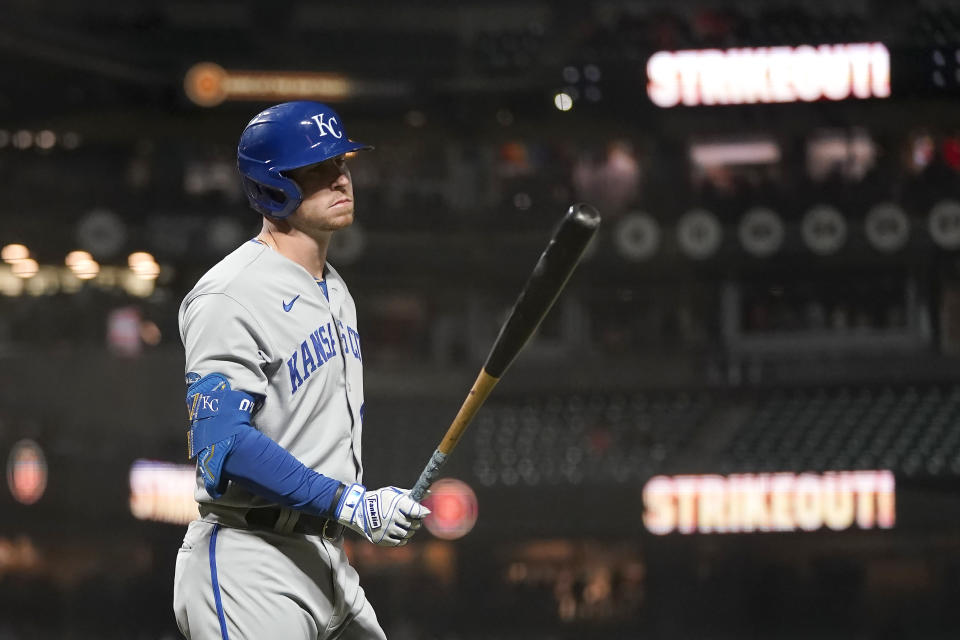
(287, 306)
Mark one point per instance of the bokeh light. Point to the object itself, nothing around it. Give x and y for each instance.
(76, 257)
(26, 472)
(23, 139)
(143, 265)
(26, 268)
(46, 139)
(138, 257)
(454, 509)
(13, 252)
(86, 269)
(563, 101)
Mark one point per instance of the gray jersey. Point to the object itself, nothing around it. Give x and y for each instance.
(263, 321)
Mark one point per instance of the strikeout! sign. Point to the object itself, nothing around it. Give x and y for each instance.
(768, 74)
(769, 502)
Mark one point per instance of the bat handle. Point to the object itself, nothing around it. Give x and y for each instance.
(428, 475)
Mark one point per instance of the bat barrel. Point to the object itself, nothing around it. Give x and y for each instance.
(551, 273)
(557, 262)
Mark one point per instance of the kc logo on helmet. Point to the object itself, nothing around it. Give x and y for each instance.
(328, 126)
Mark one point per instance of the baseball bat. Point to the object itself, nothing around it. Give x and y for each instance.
(549, 276)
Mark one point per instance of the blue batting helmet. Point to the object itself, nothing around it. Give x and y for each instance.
(284, 137)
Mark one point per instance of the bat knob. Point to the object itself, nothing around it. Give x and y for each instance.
(584, 215)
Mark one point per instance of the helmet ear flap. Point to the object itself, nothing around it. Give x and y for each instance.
(262, 197)
(271, 194)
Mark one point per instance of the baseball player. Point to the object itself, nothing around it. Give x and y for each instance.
(275, 400)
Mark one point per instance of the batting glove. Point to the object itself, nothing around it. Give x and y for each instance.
(387, 517)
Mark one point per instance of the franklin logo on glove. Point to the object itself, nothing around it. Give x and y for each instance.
(373, 510)
(388, 516)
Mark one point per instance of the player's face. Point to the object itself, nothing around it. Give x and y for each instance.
(327, 195)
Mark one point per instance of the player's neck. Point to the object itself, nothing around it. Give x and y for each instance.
(307, 250)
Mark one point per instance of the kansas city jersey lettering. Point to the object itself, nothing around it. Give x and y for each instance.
(350, 341)
(318, 349)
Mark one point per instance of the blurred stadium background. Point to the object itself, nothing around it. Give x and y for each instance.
(740, 421)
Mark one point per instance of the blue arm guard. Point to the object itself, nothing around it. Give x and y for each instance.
(229, 448)
(217, 415)
(263, 467)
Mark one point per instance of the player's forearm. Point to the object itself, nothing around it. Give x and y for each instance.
(266, 469)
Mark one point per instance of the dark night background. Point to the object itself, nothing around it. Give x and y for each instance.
(679, 347)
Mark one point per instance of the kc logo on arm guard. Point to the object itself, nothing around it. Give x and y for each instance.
(217, 414)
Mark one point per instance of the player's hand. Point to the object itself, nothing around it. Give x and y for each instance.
(388, 517)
